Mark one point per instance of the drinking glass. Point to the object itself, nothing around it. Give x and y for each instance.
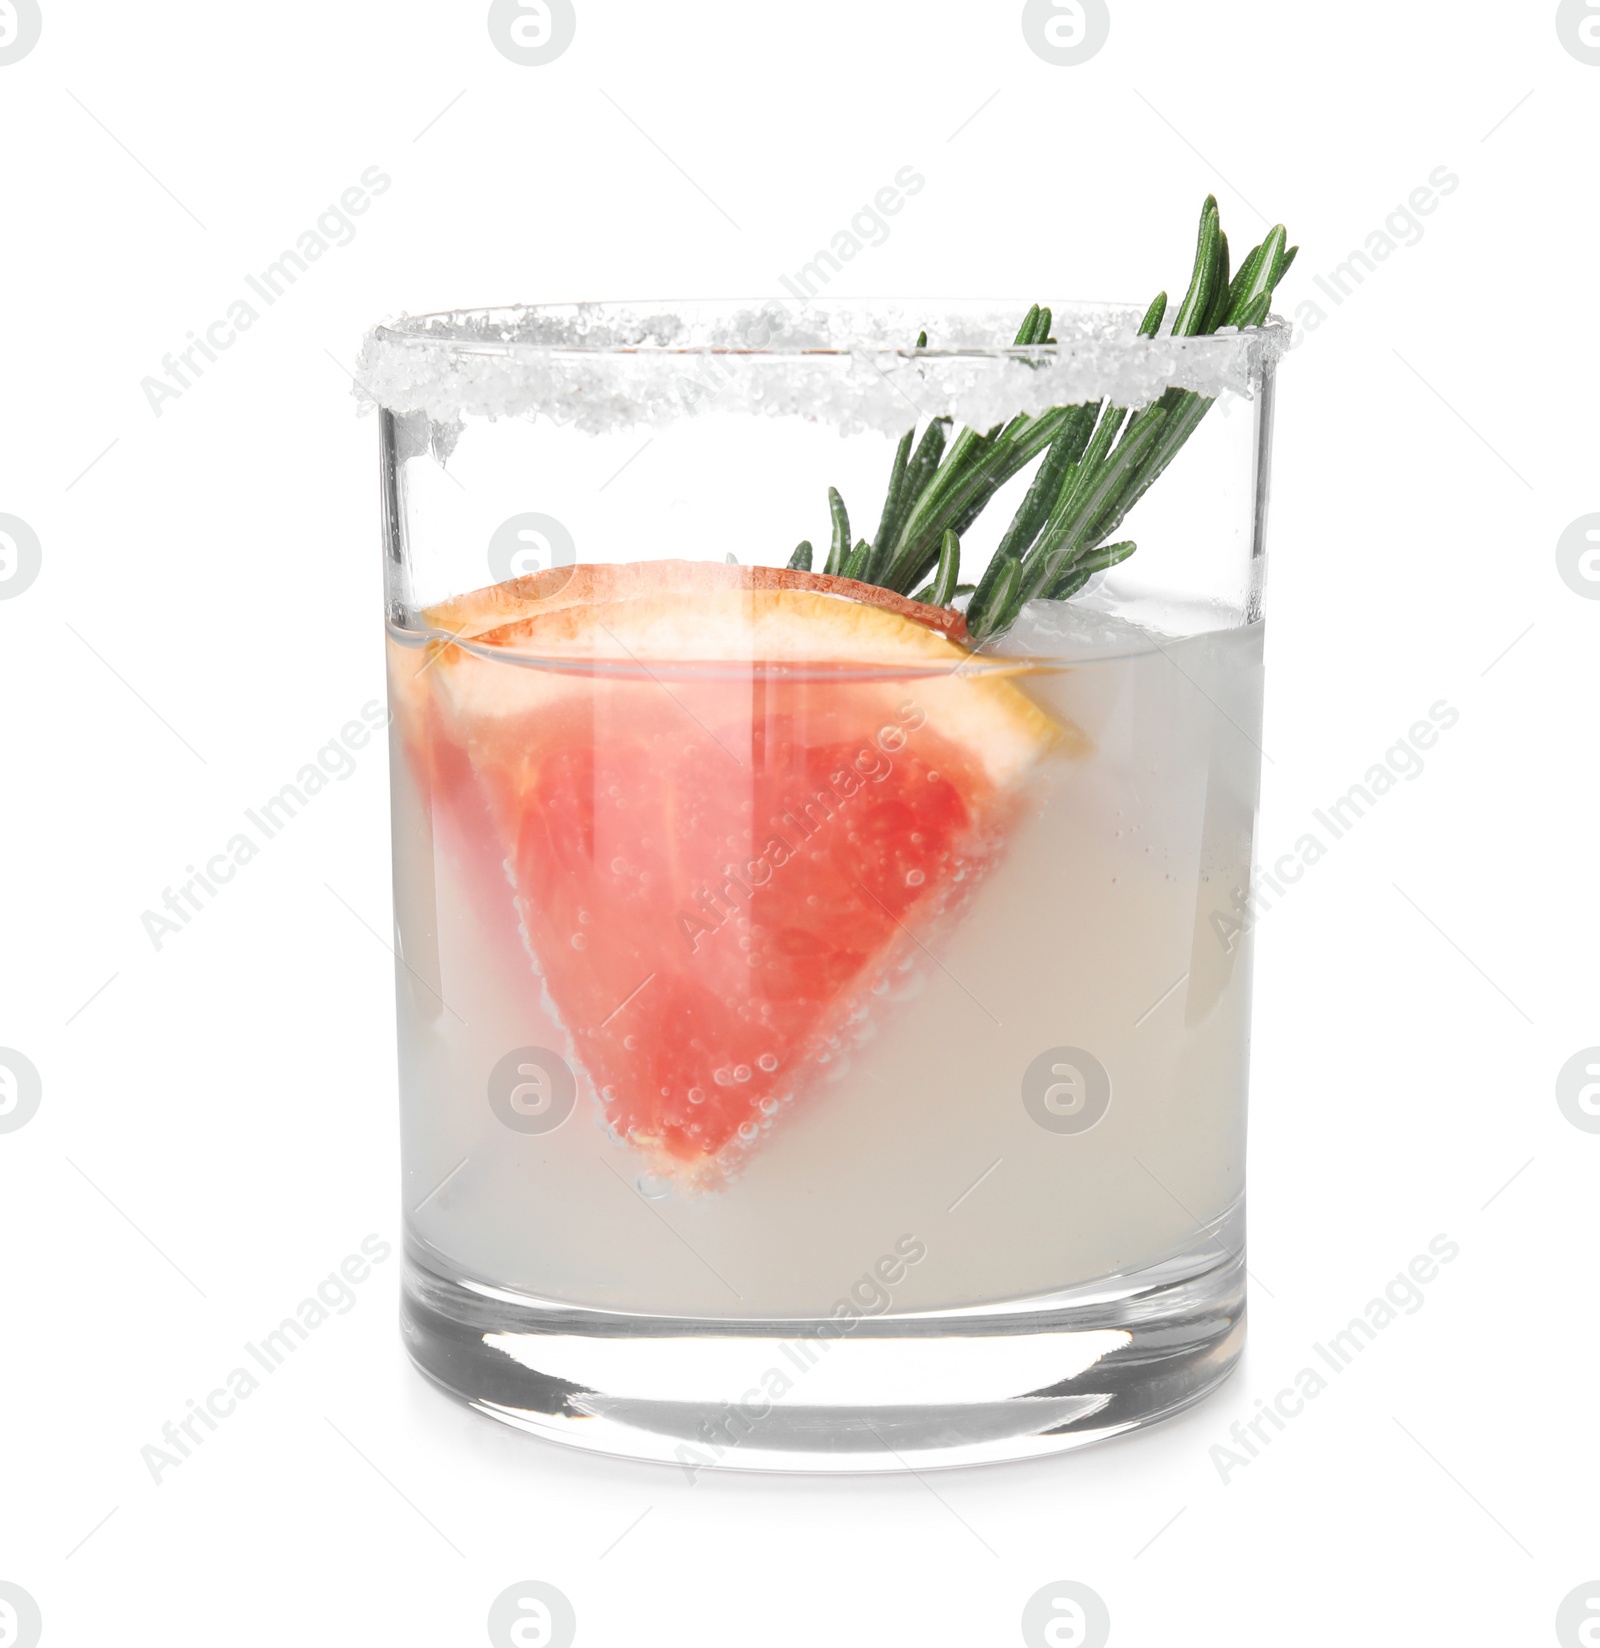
(823, 1041)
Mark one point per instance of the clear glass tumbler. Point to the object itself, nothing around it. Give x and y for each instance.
(823, 1039)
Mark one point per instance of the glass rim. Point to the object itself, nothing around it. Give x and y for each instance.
(850, 362)
(793, 330)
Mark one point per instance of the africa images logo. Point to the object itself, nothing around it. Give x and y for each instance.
(20, 556)
(20, 27)
(1066, 33)
(531, 33)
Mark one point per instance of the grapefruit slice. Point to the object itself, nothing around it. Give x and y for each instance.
(728, 805)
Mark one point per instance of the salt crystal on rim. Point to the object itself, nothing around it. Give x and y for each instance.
(615, 366)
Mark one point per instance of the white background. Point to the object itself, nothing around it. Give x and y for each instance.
(207, 616)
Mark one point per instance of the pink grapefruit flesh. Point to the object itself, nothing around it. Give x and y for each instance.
(728, 804)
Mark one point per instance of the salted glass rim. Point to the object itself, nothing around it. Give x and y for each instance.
(851, 363)
(822, 327)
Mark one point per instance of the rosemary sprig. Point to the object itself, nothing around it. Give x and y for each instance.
(1098, 462)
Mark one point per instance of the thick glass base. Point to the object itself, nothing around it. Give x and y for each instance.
(1008, 1380)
